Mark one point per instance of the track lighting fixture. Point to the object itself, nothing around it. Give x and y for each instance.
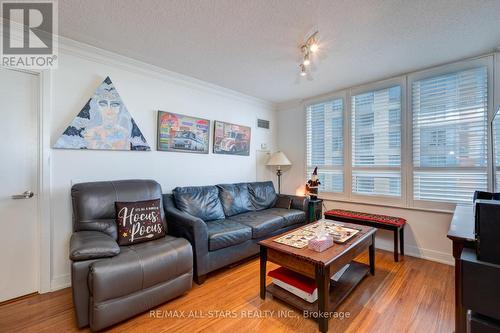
(310, 46)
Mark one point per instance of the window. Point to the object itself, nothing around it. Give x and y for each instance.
(376, 142)
(445, 157)
(325, 144)
(450, 115)
(364, 184)
(496, 149)
(394, 127)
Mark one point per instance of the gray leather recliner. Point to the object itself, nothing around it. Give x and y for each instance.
(112, 283)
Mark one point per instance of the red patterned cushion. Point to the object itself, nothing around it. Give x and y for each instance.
(384, 219)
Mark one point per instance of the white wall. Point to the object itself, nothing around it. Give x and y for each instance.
(144, 90)
(425, 234)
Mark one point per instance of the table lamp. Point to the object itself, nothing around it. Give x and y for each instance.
(278, 159)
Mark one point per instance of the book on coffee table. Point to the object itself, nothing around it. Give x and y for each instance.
(298, 284)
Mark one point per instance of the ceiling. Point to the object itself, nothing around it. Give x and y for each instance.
(251, 46)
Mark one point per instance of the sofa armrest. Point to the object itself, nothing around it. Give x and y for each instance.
(194, 229)
(298, 202)
(86, 245)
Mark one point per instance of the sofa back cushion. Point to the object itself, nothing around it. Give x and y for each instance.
(94, 202)
(262, 195)
(235, 198)
(200, 201)
(283, 202)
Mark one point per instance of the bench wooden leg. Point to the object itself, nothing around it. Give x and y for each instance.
(371, 255)
(396, 247)
(402, 241)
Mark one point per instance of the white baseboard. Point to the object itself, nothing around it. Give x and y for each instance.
(414, 251)
(60, 282)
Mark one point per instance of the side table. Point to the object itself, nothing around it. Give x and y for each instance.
(315, 212)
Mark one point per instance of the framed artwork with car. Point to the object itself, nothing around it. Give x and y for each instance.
(181, 133)
(231, 139)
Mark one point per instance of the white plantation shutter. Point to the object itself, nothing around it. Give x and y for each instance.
(450, 135)
(496, 149)
(376, 142)
(325, 144)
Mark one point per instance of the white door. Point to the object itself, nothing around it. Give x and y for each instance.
(18, 177)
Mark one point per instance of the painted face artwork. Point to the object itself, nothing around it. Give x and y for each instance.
(104, 123)
(109, 110)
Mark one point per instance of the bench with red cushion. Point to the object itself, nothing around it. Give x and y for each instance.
(393, 223)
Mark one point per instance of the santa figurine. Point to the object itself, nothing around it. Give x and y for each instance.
(312, 185)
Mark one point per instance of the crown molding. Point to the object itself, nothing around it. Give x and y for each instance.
(92, 53)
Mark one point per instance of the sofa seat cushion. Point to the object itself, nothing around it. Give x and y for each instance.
(291, 216)
(235, 198)
(139, 267)
(225, 233)
(262, 222)
(200, 201)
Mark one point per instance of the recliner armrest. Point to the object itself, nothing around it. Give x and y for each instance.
(298, 202)
(86, 245)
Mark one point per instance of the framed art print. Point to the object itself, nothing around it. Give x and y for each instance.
(181, 133)
(231, 139)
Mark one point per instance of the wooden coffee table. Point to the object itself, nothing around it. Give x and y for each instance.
(320, 266)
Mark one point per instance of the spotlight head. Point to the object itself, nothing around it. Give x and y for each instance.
(303, 70)
(314, 47)
(306, 61)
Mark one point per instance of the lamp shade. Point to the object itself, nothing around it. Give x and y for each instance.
(279, 159)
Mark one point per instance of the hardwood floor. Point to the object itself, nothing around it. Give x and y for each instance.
(414, 295)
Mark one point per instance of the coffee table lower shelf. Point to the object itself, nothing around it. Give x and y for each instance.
(338, 290)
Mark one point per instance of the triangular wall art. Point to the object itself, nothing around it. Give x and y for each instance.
(104, 123)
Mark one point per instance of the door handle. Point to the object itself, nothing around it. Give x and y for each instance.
(25, 195)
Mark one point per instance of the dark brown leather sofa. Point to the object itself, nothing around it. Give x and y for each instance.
(112, 283)
(223, 223)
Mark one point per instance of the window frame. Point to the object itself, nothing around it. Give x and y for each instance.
(495, 168)
(378, 199)
(405, 81)
(324, 99)
(442, 70)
